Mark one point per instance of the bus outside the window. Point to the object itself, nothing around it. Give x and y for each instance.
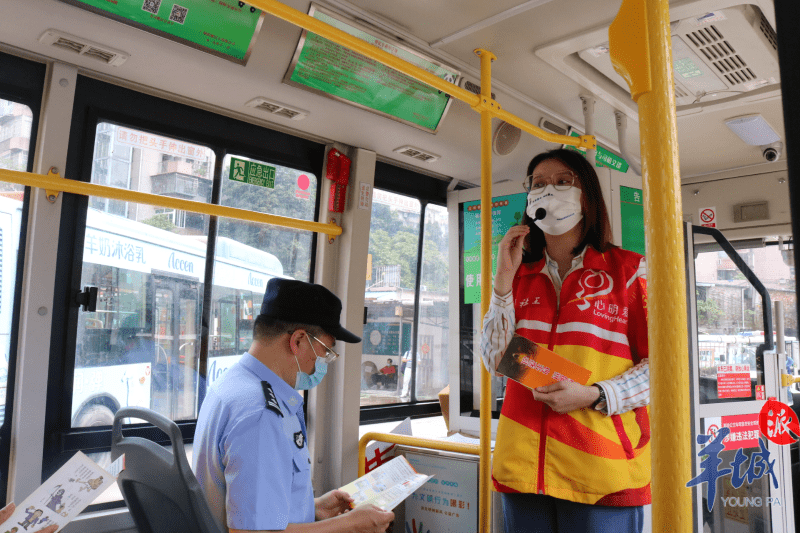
(141, 345)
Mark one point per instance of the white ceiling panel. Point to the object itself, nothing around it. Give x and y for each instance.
(431, 21)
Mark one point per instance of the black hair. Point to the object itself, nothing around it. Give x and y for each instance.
(596, 226)
(266, 328)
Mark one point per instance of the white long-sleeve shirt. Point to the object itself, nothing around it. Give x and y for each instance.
(624, 392)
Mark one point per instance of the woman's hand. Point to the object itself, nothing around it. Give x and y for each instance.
(566, 396)
(509, 257)
(8, 510)
(331, 504)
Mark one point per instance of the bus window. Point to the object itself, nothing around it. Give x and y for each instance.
(432, 347)
(140, 346)
(729, 312)
(250, 305)
(389, 298)
(16, 121)
(248, 255)
(266, 187)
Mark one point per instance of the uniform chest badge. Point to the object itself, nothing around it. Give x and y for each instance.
(299, 439)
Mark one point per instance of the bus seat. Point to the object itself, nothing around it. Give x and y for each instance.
(159, 487)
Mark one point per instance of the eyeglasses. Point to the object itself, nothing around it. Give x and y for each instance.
(562, 181)
(330, 355)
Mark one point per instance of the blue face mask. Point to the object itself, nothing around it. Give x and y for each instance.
(306, 382)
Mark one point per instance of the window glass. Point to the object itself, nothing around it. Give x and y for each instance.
(140, 161)
(140, 347)
(730, 316)
(249, 254)
(276, 190)
(432, 340)
(15, 131)
(389, 298)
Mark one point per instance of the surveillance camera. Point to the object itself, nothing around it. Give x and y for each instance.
(772, 152)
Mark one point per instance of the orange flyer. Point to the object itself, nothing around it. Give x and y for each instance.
(534, 366)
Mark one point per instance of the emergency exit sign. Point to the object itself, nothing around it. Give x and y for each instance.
(252, 173)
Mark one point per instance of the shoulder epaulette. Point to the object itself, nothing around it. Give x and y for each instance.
(272, 400)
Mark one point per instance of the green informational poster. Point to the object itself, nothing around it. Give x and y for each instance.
(604, 158)
(382, 338)
(507, 211)
(226, 28)
(253, 173)
(333, 70)
(631, 212)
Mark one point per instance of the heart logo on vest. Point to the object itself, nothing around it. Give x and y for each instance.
(593, 283)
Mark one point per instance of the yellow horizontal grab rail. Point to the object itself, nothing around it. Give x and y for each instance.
(788, 379)
(589, 142)
(406, 440)
(53, 182)
(298, 18)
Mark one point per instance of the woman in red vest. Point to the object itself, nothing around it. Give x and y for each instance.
(569, 457)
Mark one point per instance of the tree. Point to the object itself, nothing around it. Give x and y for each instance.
(435, 272)
(160, 221)
(708, 312)
(291, 247)
(398, 249)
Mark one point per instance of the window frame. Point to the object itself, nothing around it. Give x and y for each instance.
(96, 102)
(23, 82)
(428, 190)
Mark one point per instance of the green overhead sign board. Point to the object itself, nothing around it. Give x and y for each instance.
(332, 70)
(604, 157)
(631, 211)
(507, 211)
(253, 173)
(226, 28)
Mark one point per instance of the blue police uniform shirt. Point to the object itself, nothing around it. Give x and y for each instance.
(250, 454)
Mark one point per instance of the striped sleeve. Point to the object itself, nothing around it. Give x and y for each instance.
(627, 391)
(498, 328)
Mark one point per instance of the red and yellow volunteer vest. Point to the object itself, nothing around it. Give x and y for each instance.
(601, 324)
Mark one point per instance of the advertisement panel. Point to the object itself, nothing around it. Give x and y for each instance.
(327, 68)
(225, 28)
(507, 211)
(446, 503)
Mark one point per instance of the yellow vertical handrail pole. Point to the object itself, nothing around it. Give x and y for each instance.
(485, 105)
(640, 42)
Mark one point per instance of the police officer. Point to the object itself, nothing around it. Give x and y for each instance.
(250, 450)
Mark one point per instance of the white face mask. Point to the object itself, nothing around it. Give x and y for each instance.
(563, 209)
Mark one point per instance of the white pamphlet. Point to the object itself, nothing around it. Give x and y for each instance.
(387, 485)
(64, 495)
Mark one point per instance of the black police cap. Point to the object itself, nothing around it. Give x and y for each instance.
(296, 301)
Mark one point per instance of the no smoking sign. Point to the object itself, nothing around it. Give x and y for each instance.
(708, 217)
